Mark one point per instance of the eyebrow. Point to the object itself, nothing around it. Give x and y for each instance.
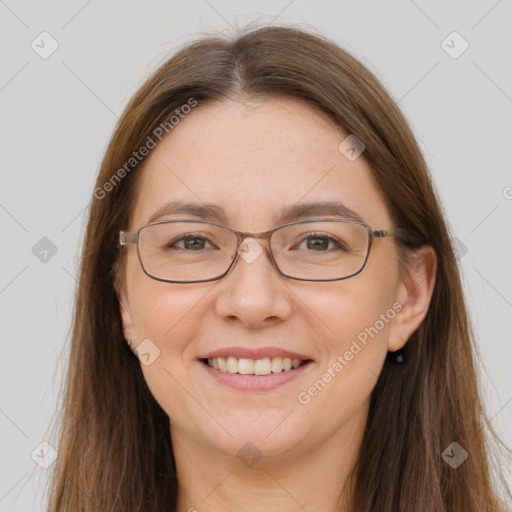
(215, 212)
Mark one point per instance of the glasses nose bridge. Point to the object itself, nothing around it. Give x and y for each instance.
(243, 235)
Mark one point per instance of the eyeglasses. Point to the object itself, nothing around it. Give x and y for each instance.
(190, 251)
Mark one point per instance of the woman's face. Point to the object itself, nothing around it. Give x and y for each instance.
(253, 160)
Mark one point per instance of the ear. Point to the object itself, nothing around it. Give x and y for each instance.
(126, 314)
(414, 293)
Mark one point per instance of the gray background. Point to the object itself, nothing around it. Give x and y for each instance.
(58, 114)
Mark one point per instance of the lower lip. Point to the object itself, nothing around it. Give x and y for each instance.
(256, 382)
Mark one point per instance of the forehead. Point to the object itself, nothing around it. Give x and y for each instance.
(253, 159)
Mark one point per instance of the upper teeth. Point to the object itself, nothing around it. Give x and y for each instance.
(246, 366)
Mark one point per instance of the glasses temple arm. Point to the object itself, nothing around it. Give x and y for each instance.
(398, 232)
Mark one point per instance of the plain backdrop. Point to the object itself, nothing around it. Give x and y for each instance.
(59, 110)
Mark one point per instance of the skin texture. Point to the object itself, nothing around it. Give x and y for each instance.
(253, 158)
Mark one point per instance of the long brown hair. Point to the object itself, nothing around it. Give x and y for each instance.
(115, 452)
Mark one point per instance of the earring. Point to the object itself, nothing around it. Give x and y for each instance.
(397, 356)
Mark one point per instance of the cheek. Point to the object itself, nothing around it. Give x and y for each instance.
(353, 330)
(352, 323)
(170, 316)
(167, 313)
(359, 308)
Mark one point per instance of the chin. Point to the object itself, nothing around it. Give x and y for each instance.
(271, 438)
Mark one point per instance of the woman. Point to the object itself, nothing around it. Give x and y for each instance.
(265, 238)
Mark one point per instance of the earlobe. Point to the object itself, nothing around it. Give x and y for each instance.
(413, 294)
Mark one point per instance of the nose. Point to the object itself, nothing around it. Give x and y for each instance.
(253, 291)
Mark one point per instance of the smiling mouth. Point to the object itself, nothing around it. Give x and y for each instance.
(263, 366)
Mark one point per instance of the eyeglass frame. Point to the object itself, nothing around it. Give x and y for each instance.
(132, 238)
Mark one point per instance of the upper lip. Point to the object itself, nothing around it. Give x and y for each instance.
(251, 353)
